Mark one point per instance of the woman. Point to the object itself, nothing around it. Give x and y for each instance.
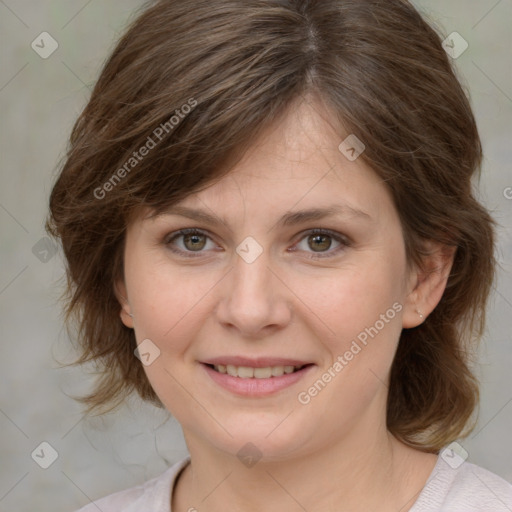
(270, 231)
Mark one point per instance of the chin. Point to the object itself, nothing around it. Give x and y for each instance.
(260, 436)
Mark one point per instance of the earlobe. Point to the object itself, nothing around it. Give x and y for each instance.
(428, 284)
(125, 313)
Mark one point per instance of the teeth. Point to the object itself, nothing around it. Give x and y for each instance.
(261, 373)
(246, 372)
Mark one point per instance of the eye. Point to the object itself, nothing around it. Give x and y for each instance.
(194, 240)
(320, 241)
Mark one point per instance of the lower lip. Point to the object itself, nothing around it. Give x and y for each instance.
(256, 387)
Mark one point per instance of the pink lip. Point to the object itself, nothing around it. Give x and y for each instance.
(258, 362)
(255, 387)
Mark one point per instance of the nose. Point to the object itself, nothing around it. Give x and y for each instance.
(254, 298)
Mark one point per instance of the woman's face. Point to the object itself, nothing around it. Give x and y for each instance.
(256, 288)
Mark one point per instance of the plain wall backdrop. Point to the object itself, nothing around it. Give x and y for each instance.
(40, 99)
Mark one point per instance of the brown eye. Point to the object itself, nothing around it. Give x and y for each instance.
(319, 242)
(193, 242)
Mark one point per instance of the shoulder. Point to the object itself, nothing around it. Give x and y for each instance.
(477, 488)
(154, 495)
(465, 488)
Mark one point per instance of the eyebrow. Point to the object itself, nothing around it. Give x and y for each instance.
(288, 219)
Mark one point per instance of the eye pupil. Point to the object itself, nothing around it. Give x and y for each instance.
(324, 245)
(193, 238)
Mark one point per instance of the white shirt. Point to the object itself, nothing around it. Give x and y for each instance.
(467, 488)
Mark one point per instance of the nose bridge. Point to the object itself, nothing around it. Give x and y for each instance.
(254, 299)
(251, 274)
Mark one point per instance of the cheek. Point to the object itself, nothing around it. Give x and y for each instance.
(369, 324)
(353, 298)
(363, 314)
(168, 310)
(171, 307)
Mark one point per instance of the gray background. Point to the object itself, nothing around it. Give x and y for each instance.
(40, 99)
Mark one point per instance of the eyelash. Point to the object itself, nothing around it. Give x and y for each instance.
(317, 231)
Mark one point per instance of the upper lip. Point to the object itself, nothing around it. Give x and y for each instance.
(258, 362)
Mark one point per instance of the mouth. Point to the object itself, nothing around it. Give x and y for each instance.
(255, 378)
(248, 372)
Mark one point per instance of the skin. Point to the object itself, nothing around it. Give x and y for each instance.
(335, 452)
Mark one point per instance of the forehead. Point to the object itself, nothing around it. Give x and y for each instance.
(298, 157)
(295, 164)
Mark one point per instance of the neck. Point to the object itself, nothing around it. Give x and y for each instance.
(366, 470)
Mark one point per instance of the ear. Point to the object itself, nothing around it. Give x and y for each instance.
(121, 294)
(428, 283)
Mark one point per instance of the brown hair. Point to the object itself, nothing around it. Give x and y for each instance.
(382, 72)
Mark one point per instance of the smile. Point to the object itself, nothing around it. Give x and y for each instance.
(255, 381)
(247, 372)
